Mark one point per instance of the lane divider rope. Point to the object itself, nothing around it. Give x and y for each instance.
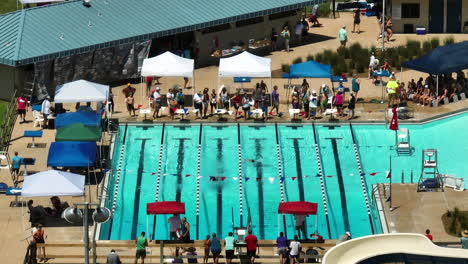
(361, 174)
(198, 178)
(241, 194)
(158, 180)
(117, 180)
(280, 171)
(322, 182)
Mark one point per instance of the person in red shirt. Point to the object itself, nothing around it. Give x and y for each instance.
(21, 107)
(428, 234)
(252, 245)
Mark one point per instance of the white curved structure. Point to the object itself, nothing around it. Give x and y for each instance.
(363, 248)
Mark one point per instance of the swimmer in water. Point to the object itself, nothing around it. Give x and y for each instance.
(252, 160)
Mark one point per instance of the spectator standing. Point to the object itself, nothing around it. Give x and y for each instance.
(264, 104)
(298, 32)
(213, 101)
(275, 100)
(198, 103)
(273, 39)
(282, 245)
(224, 97)
(21, 107)
(351, 105)
(357, 20)
(464, 239)
(341, 89)
(428, 234)
(149, 82)
(246, 105)
(371, 65)
(344, 238)
(207, 244)
(111, 101)
(206, 101)
(343, 36)
(355, 85)
(174, 224)
(229, 247)
(215, 248)
(113, 258)
(16, 164)
(45, 110)
(157, 102)
(300, 225)
(39, 237)
(141, 243)
(295, 250)
(252, 245)
(130, 101)
(128, 89)
(305, 27)
(305, 100)
(236, 101)
(313, 16)
(313, 104)
(392, 85)
(180, 98)
(286, 35)
(185, 230)
(338, 102)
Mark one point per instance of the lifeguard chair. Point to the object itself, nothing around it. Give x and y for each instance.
(403, 142)
(430, 179)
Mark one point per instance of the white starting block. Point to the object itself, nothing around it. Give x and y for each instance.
(181, 112)
(258, 113)
(330, 111)
(294, 112)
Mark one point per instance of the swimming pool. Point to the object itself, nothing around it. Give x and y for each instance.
(219, 182)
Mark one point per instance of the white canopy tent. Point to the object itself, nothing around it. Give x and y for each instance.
(245, 65)
(169, 65)
(81, 91)
(53, 183)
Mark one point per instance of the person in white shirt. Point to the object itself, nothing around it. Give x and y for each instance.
(313, 104)
(45, 109)
(298, 32)
(295, 250)
(174, 225)
(198, 103)
(157, 102)
(371, 65)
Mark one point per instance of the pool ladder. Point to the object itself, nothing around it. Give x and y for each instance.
(361, 175)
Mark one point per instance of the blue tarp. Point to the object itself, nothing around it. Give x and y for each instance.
(446, 59)
(72, 154)
(87, 118)
(309, 69)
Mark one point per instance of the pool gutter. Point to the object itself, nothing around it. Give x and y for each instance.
(380, 209)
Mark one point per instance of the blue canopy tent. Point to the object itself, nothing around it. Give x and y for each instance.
(72, 154)
(86, 118)
(442, 60)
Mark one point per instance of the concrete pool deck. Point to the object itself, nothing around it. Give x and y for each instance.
(12, 243)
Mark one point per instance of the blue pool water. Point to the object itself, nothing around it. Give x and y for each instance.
(219, 200)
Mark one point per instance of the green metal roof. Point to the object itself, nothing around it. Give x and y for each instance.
(48, 32)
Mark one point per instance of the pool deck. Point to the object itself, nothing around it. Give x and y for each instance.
(417, 211)
(14, 225)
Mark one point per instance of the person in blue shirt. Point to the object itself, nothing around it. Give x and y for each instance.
(16, 164)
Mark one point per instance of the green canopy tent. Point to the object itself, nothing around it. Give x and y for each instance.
(78, 132)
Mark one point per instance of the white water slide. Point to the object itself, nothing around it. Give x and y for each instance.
(359, 249)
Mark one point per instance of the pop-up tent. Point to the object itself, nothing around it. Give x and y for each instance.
(309, 69)
(81, 91)
(78, 132)
(165, 208)
(53, 183)
(72, 154)
(168, 64)
(85, 118)
(245, 65)
(298, 208)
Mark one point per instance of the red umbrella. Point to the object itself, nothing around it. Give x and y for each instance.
(394, 122)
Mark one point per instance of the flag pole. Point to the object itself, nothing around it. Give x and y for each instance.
(390, 197)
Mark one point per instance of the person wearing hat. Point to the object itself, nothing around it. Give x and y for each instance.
(344, 238)
(355, 85)
(343, 36)
(128, 89)
(351, 104)
(313, 104)
(157, 101)
(464, 239)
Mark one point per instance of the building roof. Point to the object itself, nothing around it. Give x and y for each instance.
(44, 33)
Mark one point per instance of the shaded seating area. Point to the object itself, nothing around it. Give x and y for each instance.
(85, 118)
(72, 154)
(79, 132)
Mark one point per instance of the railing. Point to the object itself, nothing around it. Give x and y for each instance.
(8, 124)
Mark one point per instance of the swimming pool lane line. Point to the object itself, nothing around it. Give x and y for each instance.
(361, 174)
(117, 180)
(241, 179)
(261, 202)
(158, 177)
(219, 193)
(199, 148)
(322, 182)
(280, 175)
(300, 181)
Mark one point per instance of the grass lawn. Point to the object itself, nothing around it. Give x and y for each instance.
(7, 6)
(3, 109)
